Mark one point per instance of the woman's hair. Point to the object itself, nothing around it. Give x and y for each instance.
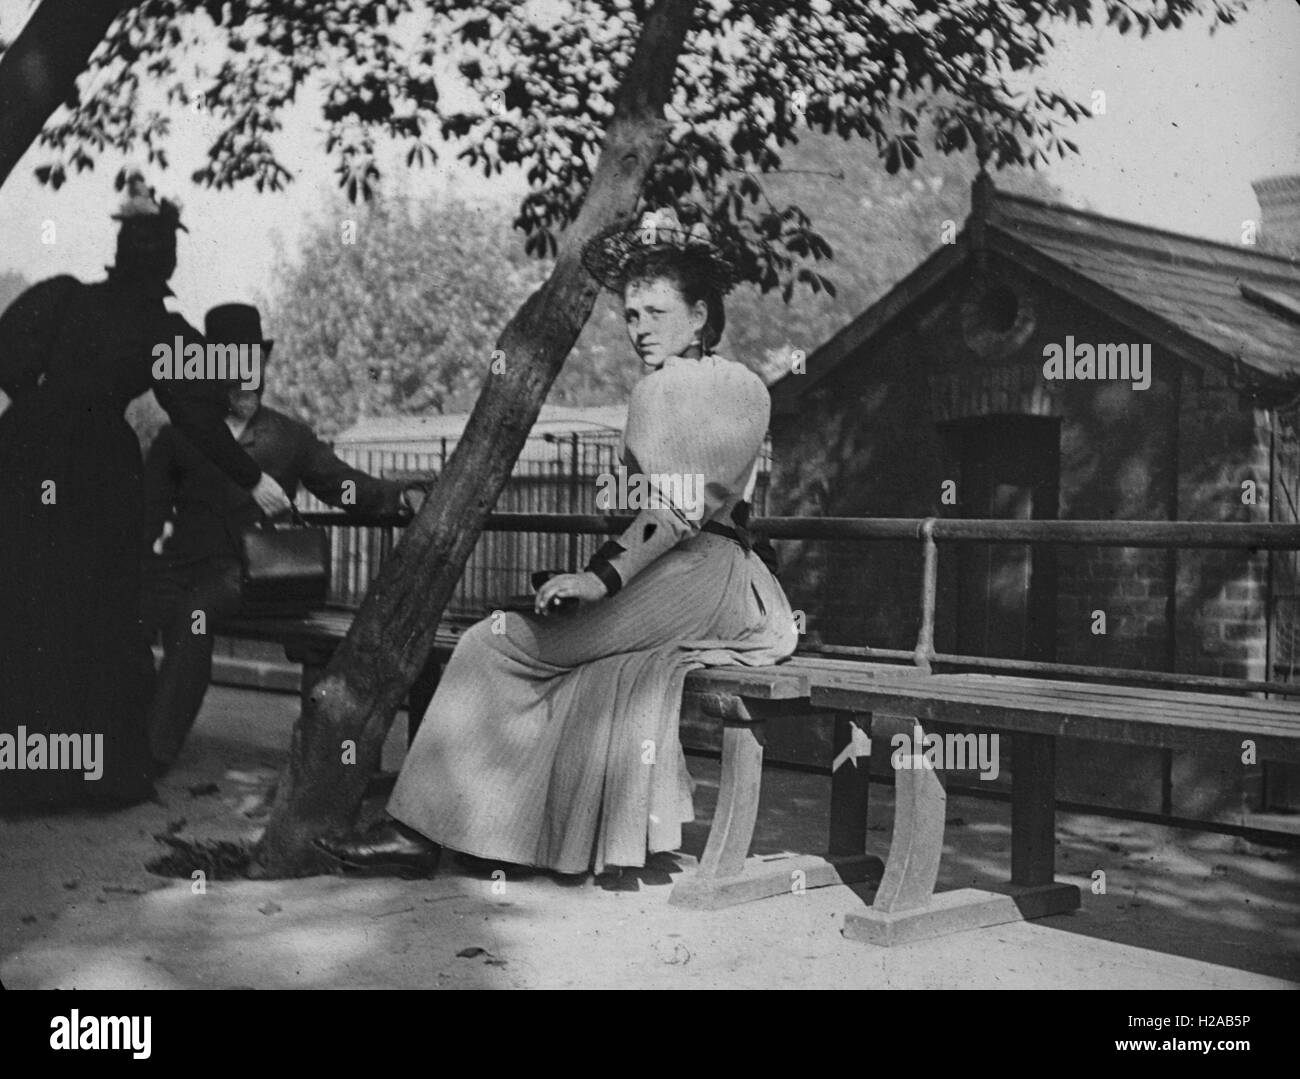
(693, 275)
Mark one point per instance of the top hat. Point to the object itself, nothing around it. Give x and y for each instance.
(236, 324)
(141, 206)
(608, 254)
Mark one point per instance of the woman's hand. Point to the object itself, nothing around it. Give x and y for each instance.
(270, 496)
(587, 587)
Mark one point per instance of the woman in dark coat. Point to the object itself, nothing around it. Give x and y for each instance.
(73, 659)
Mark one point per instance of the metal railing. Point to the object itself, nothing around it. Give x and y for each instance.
(554, 474)
(929, 532)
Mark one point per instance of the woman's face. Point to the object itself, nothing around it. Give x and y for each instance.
(660, 323)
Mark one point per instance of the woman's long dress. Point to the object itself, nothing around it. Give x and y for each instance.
(554, 741)
(73, 659)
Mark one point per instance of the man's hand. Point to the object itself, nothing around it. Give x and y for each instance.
(413, 498)
(270, 497)
(587, 587)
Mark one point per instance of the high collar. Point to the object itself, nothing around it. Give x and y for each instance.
(679, 358)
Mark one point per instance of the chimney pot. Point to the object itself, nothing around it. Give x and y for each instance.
(1279, 204)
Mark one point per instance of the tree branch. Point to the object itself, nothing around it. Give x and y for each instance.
(40, 69)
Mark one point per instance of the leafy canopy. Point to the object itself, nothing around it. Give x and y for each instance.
(532, 85)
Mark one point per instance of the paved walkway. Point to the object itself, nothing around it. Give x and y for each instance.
(77, 908)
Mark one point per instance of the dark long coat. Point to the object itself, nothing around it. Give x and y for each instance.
(73, 659)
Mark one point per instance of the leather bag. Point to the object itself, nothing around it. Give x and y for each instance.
(286, 568)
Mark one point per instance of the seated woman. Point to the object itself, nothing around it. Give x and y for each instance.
(552, 740)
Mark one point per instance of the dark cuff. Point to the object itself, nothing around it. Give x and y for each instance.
(599, 565)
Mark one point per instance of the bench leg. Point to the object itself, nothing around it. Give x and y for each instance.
(920, 805)
(726, 876)
(1033, 830)
(417, 703)
(737, 811)
(850, 783)
(906, 907)
(422, 690)
(1033, 810)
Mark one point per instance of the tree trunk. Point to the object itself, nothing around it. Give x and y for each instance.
(361, 690)
(40, 69)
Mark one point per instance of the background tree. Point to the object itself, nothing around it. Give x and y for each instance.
(400, 318)
(608, 106)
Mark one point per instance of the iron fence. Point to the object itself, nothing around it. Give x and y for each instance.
(555, 474)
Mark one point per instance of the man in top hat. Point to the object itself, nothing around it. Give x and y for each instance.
(194, 517)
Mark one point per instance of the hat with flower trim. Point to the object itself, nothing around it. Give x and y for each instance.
(610, 254)
(142, 206)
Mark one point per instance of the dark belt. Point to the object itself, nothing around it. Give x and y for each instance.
(722, 530)
(745, 539)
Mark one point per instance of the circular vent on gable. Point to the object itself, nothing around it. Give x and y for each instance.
(995, 319)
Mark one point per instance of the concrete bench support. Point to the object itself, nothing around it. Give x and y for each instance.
(906, 907)
(726, 874)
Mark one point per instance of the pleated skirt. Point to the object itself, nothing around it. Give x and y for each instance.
(553, 741)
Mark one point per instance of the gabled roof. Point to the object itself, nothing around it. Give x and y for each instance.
(1217, 305)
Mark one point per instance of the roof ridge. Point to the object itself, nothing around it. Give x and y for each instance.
(1289, 261)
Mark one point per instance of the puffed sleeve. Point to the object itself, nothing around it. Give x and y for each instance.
(28, 329)
(694, 435)
(198, 410)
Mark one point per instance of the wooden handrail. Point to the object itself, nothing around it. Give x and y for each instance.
(929, 531)
(1183, 534)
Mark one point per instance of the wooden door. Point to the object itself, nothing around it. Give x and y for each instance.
(1006, 593)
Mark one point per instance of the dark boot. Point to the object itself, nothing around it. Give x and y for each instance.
(387, 849)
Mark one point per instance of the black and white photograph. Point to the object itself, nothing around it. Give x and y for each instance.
(651, 494)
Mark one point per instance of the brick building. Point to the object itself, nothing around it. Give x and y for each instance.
(942, 386)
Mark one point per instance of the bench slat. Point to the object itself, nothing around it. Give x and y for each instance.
(1060, 696)
(1273, 741)
(1167, 697)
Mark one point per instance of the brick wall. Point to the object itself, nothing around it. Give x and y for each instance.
(1224, 441)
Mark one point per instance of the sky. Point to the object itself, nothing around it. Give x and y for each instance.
(1190, 120)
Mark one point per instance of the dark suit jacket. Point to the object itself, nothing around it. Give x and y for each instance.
(210, 511)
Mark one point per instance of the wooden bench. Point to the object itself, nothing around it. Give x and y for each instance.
(886, 701)
(868, 704)
(740, 697)
(311, 640)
